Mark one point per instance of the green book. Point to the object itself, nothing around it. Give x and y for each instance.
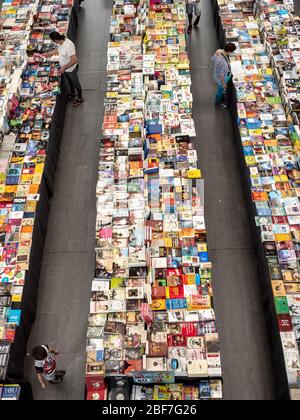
(281, 305)
(117, 283)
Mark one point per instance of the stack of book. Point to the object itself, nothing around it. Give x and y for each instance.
(280, 30)
(22, 160)
(9, 392)
(16, 18)
(151, 313)
(274, 174)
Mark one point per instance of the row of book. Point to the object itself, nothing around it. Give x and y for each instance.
(204, 389)
(16, 18)
(10, 392)
(280, 30)
(266, 132)
(22, 159)
(151, 312)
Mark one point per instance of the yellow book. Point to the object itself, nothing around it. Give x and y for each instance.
(194, 174)
(256, 132)
(11, 188)
(112, 94)
(283, 237)
(39, 168)
(159, 305)
(168, 242)
(278, 288)
(16, 298)
(202, 247)
(26, 178)
(250, 160)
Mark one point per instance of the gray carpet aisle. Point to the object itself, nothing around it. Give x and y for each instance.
(297, 7)
(69, 257)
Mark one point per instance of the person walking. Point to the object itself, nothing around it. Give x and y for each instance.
(68, 61)
(45, 365)
(222, 72)
(193, 7)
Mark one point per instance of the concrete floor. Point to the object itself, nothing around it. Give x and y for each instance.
(68, 262)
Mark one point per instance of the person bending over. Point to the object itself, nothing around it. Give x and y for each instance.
(222, 72)
(68, 61)
(193, 6)
(45, 365)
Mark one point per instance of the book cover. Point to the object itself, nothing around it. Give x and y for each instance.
(281, 306)
(158, 349)
(156, 364)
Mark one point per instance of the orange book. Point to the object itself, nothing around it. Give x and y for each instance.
(260, 196)
(283, 237)
(34, 189)
(199, 302)
(27, 229)
(187, 233)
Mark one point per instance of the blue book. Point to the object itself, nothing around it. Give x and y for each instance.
(14, 316)
(11, 392)
(190, 251)
(198, 280)
(174, 304)
(203, 256)
(248, 151)
(154, 129)
(204, 390)
(264, 212)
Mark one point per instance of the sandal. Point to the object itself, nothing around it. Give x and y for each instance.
(78, 102)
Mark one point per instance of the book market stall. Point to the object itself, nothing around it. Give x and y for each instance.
(152, 331)
(264, 102)
(32, 108)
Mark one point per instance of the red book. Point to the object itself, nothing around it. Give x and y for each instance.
(190, 329)
(97, 395)
(175, 292)
(110, 119)
(174, 272)
(134, 366)
(109, 126)
(124, 77)
(285, 323)
(280, 220)
(176, 340)
(96, 388)
(158, 292)
(10, 334)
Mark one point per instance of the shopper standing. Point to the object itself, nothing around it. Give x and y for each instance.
(193, 7)
(222, 72)
(68, 61)
(45, 365)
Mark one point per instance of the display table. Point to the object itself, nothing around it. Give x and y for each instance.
(281, 381)
(30, 295)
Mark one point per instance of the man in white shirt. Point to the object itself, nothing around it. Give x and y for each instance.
(193, 6)
(68, 61)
